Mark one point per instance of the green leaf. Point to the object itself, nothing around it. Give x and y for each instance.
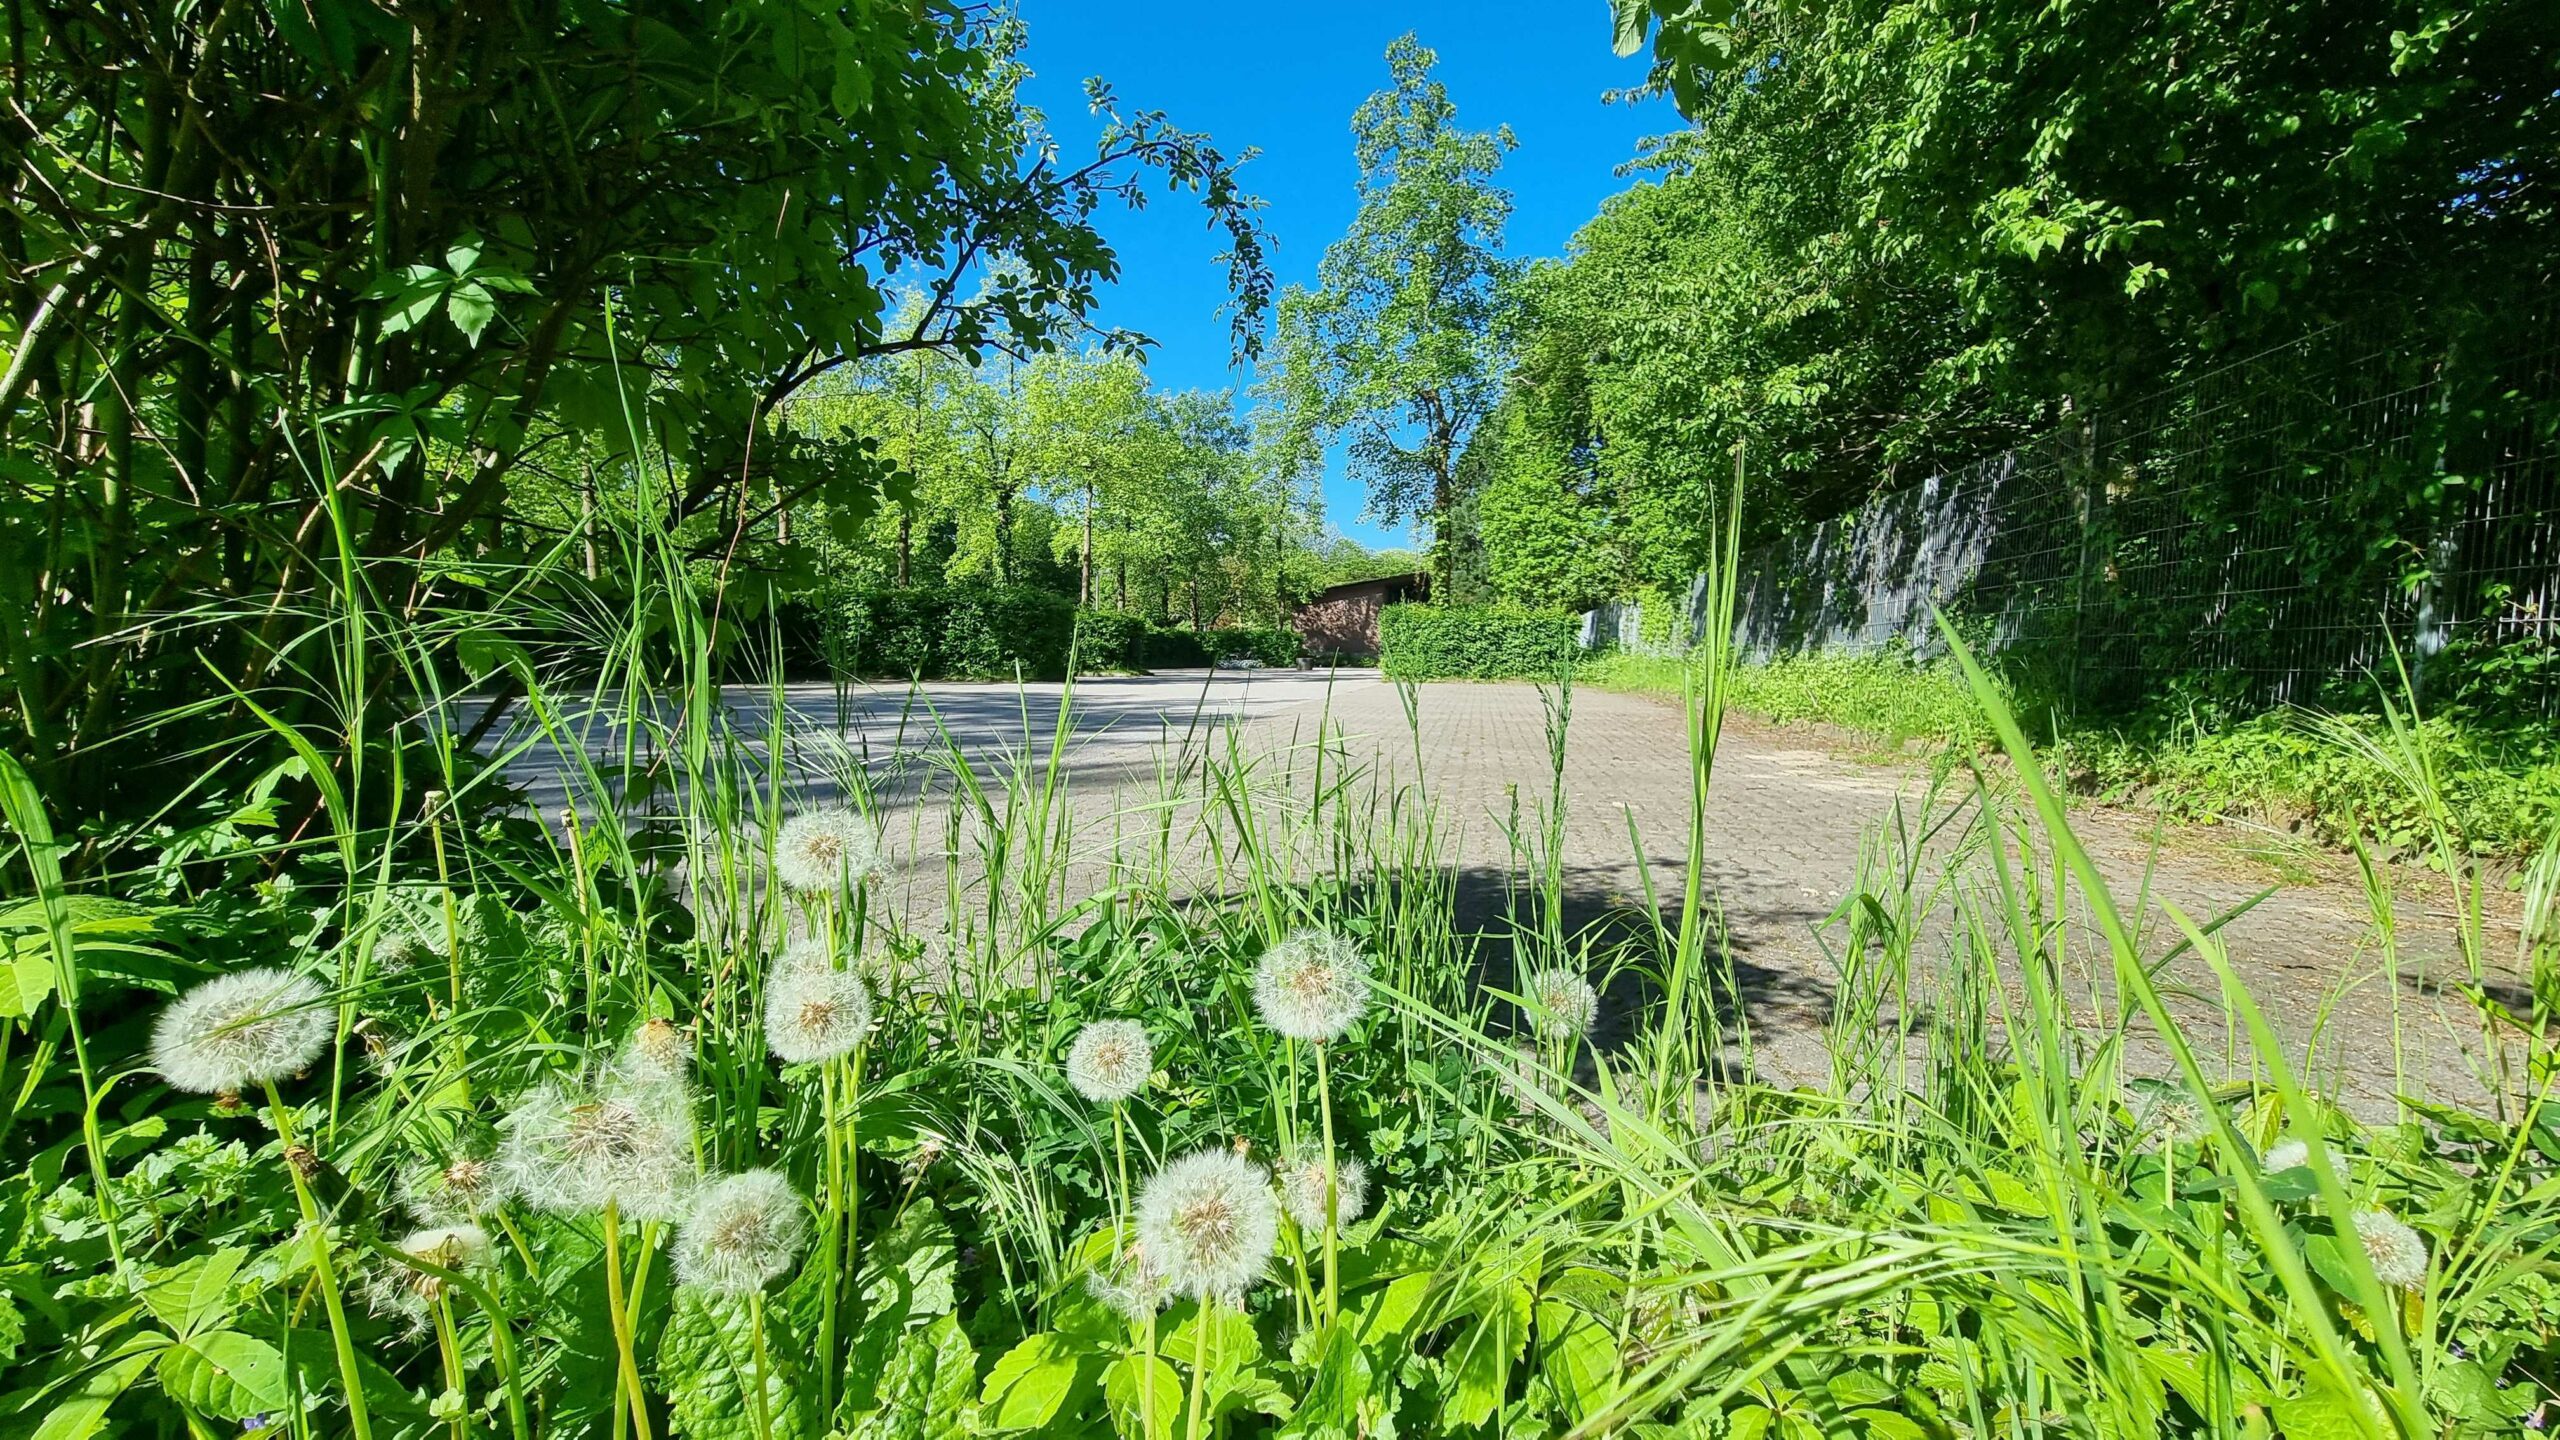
(1031, 1384)
(470, 308)
(926, 1390)
(225, 1374)
(1120, 1382)
(1579, 1358)
(79, 1416)
(709, 1367)
(26, 981)
(1331, 1398)
(196, 1290)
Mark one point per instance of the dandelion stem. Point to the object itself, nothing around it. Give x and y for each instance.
(451, 1349)
(358, 1417)
(762, 1366)
(622, 1321)
(1199, 1361)
(1332, 1188)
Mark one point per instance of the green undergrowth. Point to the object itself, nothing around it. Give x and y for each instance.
(2331, 777)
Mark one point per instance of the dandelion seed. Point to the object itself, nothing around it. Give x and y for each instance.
(656, 1054)
(818, 851)
(1564, 1004)
(1134, 1288)
(457, 1188)
(573, 1145)
(1110, 1060)
(814, 1013)
(399, 1292)
(241, 1030)
(396, 951)
(806, 953)
(1209, 1223)
(2398, 1253)
(744, 1232)
(1312, 986)
(1301, 1179)
(2285, 1155)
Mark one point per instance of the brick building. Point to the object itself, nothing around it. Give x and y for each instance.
(1343, 619)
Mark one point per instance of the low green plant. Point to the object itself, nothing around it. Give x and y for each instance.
(1474, 642)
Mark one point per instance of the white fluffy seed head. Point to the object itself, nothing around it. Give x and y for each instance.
(1133, 1287)
(452, 1188)
(1110, 1061)
(572, 1146)
(1207, 1222)
(398, 1292)
(241, 1030)
(819, 852)
(744, 1232)
(1562, 1004)
(2286, 1155)
(2398, 1253)
(657, 1053)
(1301, 1178)
(813, 1012)
(1312, 986)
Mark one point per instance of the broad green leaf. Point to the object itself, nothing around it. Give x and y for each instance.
(79, 1415)
(1032, 1382)
(225, 1374)
(196, 1290)
(26, 980)
(711, 1368)
(1120, 1388)
(1578, 1356)
(926, 1391)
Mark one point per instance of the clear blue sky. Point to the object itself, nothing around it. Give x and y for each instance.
(1284, 79)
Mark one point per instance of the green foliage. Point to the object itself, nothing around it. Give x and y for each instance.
(960, 632)
(593, 237)
(1475, 642)
(1110, 640)
(1399, 347)
(1272, 645)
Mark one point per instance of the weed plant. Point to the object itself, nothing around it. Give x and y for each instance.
(659, 1111)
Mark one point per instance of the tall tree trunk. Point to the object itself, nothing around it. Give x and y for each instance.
(1004, 534)
(1084, 579)
(906, 542)
(587, 521)
(1120, 587)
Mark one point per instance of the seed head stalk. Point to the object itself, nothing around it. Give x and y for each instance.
(450, 1347)
(637, 1397)
(1332, 1188)
(358, 1417)
(1199, 1361)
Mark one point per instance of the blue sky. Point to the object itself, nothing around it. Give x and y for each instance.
(1285, 79)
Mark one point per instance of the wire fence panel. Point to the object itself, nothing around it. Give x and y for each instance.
(2279, 530)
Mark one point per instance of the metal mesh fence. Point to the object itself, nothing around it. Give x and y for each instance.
(2269, 532)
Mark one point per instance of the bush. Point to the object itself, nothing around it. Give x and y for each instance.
(959, 632)
(1111, 640)
(1172, 647)
(1475, 642)
(1273, 645)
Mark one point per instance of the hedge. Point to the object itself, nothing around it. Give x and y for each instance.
(959, 632)
(1475, 642)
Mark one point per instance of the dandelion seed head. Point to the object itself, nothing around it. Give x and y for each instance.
(1301, 1180)
(242, 1030)
(814, 1013)
(397, 1292)
(2398, 1253)
(573, 1146)
(2286, 1155)
(1110, 1061)
(1312, 986)
(457, 1187)
(1208, 1222)
(744, 1232)
(1133, 1287)
(657, 1053)
(819, 851)
(1564, 1004)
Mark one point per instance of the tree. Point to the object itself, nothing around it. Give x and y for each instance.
(1400, 347)
(1093, 436)
(259, 261)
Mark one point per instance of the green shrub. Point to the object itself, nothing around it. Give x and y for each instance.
(1173, 647)
(1110, 640)
(1474, 642)
(1273, 645)
(959, 632)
